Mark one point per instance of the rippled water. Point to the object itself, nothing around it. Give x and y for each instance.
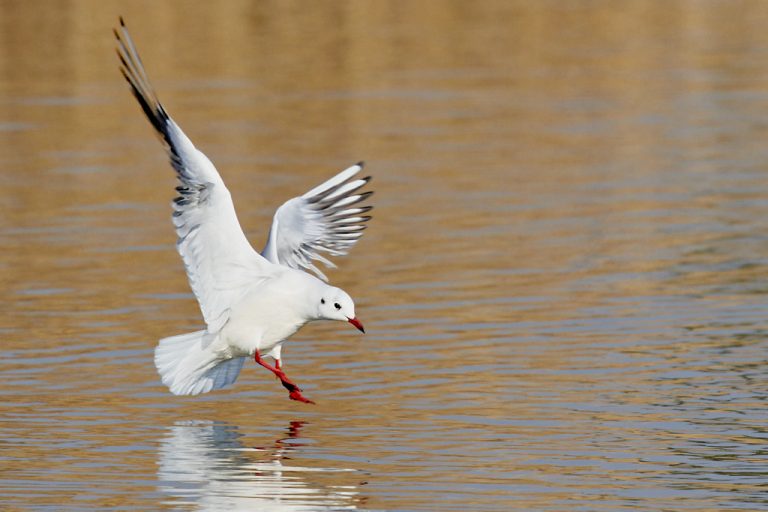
(564, 284)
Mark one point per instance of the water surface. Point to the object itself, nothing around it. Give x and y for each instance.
(564, 285)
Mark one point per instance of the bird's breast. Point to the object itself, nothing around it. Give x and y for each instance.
(259, 323)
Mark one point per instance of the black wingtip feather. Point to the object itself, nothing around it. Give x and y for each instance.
(359, 198)
(155, 113)
(122, 59)
(361, 164)
(156, 116)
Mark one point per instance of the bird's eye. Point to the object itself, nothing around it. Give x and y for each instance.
(337, 305)
(322, 301)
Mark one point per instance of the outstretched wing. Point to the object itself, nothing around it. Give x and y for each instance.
(221, 265)
(329, 218)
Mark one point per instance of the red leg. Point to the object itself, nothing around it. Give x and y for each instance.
(294, 392)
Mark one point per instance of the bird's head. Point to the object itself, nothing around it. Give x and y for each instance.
(336, 304)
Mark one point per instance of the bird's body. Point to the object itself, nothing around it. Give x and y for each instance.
(251, 302)
(275, 308)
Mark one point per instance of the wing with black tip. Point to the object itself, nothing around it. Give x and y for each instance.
(328, 219)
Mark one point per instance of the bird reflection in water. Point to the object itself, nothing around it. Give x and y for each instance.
(206, 464)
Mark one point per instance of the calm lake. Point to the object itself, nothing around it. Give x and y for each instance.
(564, 285)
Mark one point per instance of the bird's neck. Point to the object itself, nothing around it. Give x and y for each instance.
(307, 291)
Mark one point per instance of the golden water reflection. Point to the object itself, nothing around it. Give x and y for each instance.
(206, 464)
(563, 283)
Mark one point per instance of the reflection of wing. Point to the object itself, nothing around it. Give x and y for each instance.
(326, 219)
(220, 262)
(206, 464)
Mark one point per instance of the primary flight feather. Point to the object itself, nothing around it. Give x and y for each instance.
(251, 302)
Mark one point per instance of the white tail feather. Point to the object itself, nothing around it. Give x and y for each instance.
(188, 365)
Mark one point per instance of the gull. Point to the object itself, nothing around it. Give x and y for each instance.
(251, 302)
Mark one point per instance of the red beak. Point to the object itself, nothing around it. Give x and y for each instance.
(357, 323)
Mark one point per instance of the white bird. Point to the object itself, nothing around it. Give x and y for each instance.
(251, 302)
